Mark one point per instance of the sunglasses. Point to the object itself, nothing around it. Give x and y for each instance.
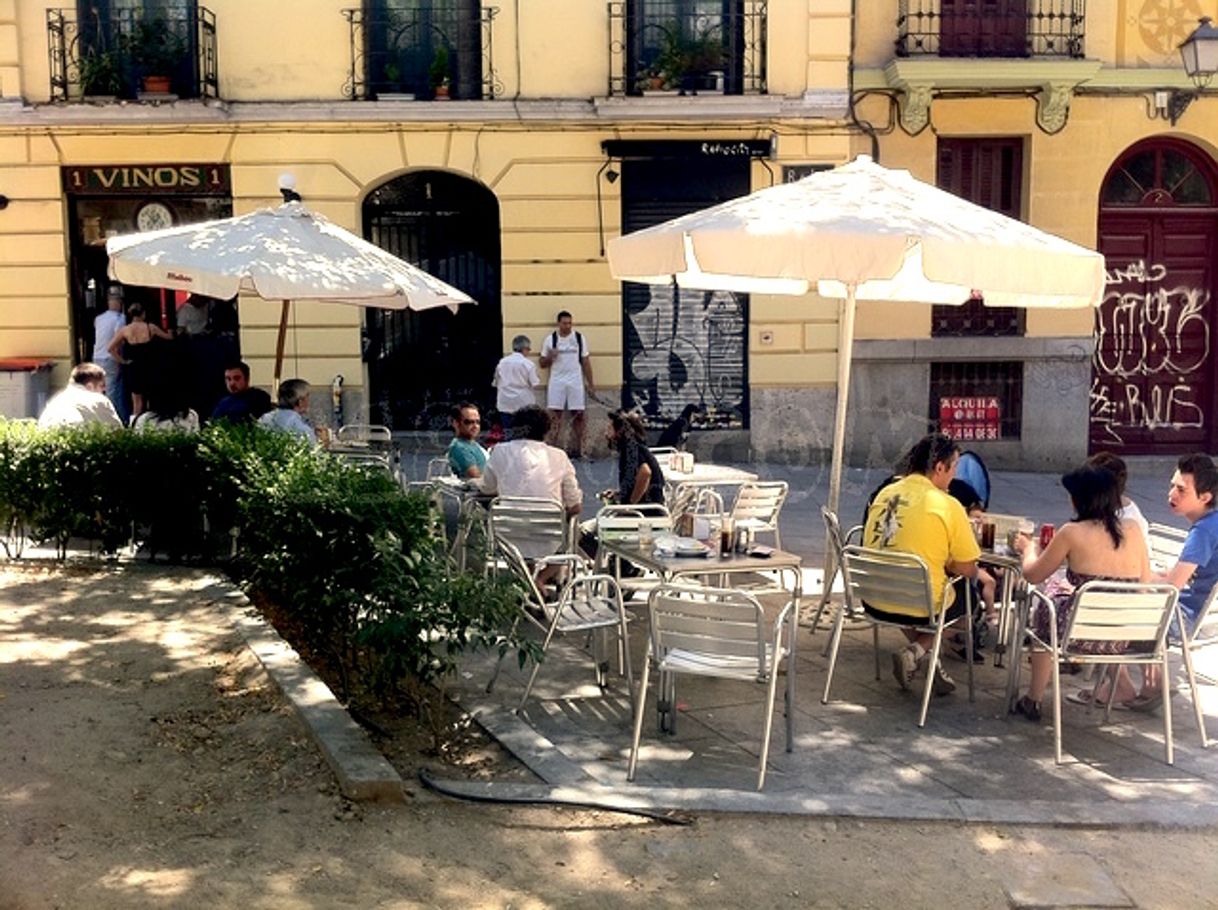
(475, 421)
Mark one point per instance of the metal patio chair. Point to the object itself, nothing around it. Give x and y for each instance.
(757, 506)
(898, 580)
(835, 541)
(714, 632)
(1133, 612)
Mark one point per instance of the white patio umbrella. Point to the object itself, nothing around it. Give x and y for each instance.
(861, 232)
(285, 253)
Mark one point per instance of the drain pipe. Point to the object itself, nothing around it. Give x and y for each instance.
(336, 399)
(863, 125)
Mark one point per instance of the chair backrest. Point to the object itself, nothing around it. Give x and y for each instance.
(715, 622)
(367, 459)
(890, 580)
(536, 527)
(519, 569)
(1166, 543)
(438, 467)
(760, 501)
(618, 520)
(1120, 611)
(833, 533)
(371, 434)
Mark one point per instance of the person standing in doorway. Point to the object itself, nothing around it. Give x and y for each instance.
(137, 335)
(565, 352)
(108, 324)
(515, 378)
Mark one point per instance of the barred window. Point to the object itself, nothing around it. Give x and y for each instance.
(980, 400)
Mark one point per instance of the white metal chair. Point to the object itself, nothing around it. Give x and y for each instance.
(1202, 633)
(438, 467)
(587, 602)
(536, 527)
(835, 541)
(1112, 611)
(623, 521)
(899, 581)
(712, 632)
(757, 507)
(694, 499)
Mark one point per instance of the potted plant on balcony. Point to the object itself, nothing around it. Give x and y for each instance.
(99, 74)
(689, 64)
(439, 73)
(157, 50)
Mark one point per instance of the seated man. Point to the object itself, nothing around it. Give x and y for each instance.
(466, 458)
(1194, 486)
(243, 403)
(915, 514)
(82, 401)
(527, 466)
(289, 416)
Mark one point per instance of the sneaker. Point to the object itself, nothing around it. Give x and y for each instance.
(942, 683)
(904, 666)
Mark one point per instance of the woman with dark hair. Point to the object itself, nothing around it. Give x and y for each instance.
(638, 472)
(137, 335)
(1095, 545)
(168, 410)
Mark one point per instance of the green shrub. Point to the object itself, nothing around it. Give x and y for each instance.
(342, 551)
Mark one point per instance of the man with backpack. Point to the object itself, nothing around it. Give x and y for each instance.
(565, 352)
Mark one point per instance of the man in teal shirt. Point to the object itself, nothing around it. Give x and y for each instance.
(466, 458)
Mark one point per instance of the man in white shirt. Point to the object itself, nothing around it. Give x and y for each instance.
(82, 402)
(565, 352)
(527, 466)
(515, 378)
(105, 327)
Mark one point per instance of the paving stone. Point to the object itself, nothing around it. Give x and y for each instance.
(1062, 880)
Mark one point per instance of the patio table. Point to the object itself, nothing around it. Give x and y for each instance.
(709, 475)
(671, 568)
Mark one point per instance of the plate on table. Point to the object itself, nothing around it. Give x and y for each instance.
(690, 546)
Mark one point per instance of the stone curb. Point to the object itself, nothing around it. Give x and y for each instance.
(363, 773)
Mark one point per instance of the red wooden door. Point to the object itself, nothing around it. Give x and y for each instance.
(1153, 372)
(983, 28)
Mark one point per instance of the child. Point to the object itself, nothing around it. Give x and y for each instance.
(985, 581)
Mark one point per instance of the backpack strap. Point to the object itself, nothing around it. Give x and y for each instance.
(579, 341)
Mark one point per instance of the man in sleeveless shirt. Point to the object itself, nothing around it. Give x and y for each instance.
(565, 352)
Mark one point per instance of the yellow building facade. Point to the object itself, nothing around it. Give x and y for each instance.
(1078, 118)
(569, 121)
(560, 115)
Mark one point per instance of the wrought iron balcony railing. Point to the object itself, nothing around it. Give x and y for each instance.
(117, 53)
(422, 50)
(676, 45)
(1000, 28)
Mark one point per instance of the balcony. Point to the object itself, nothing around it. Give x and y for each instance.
(991, 28)
(124, 53)
(687, 47)
(421, 51)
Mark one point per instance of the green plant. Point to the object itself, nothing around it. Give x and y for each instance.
(438, 72)
(681, 58)
(155, 46)
(99, 72)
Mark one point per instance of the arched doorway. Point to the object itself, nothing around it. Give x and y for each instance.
(419, 364)
(1153, 388)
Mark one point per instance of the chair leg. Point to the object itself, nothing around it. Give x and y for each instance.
(545, 647)
(1164, 690)
(768, 726)
(639, 707)
(1057, 707)
(835, 640)
(968, 642)
(932, 668)
(1186, 652)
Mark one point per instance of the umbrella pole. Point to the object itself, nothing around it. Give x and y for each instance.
(845, 351)
(283, 331)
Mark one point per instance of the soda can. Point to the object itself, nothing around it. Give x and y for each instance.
(1046, 534)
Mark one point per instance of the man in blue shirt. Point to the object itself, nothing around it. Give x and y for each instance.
(466, 458)
(1194, 486)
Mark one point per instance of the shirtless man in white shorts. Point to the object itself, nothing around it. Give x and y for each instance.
(565, 352)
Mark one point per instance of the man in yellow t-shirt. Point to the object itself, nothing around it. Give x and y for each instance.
(917, 515)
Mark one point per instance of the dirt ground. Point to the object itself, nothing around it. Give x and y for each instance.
(145, 761)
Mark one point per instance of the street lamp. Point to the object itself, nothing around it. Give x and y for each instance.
(1200, 54)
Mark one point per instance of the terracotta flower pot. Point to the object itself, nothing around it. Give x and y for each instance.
(156, 85)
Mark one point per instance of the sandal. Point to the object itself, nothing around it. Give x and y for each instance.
(1147, 704)
(1028, 708)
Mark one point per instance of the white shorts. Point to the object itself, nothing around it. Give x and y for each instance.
(565, 396)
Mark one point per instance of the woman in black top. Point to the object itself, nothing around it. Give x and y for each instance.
(639, 476)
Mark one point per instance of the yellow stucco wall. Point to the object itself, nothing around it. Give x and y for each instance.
(543, 173)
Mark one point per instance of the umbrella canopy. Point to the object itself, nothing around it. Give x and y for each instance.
(285, 253)
(862, 232)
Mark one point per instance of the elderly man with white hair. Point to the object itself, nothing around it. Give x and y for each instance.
(516, 377)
